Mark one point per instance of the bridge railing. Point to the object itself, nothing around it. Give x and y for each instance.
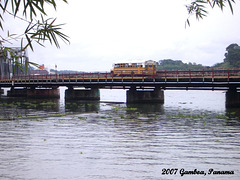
(162, 74)
(199, 73)
(94, 75)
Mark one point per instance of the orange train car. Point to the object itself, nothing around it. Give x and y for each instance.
(147, 68)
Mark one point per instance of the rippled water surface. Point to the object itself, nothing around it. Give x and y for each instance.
(58, 139)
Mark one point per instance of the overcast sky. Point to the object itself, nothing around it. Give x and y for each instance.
(103, 32)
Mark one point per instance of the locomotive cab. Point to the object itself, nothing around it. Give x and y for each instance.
(150, 67)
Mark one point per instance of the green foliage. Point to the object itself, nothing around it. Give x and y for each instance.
(44, 30)
(233, 55)
(48, 104)
(221, 116)
(190, 116)
(223, 65)
(232, 58)
(199, 7)
(37, 30)
(82, 118)
(169, 64)
(30, 8)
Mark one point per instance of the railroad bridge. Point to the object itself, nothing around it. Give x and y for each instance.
(140, 88)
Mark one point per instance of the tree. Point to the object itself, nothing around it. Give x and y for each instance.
(169, 64)
(38, 29)
(199, 7)
(232, 56)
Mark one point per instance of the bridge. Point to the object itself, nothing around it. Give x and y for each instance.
(141, 87)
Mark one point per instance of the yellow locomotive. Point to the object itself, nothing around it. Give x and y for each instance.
(147, 68)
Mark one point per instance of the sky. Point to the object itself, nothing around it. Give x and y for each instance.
(104, 32)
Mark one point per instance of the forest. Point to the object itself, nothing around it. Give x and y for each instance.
(169, 64)
(231, 60)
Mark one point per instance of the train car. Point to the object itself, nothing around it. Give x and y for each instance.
(150, 67)
(124, 69)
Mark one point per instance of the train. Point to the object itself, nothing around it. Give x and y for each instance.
(149, 67)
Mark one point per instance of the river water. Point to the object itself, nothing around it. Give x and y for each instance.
(191, 132)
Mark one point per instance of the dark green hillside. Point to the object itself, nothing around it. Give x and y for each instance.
(169, 64)
(231, 60)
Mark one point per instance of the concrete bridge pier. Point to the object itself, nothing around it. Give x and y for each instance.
(19, 92)
(34, 93)
(145, 96)
(1, 91)
(82, 94)
(53, 92)
(232, 97)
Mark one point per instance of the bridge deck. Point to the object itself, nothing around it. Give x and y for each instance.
(164, 79)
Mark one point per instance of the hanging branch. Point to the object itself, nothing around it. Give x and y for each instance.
(199, 7)
(37, 31)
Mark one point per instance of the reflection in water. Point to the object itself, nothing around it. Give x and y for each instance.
(148, 107)
(233, 112)
(81, 106)
(115, 140)
(21, 107)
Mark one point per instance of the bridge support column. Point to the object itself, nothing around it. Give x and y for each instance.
(232, 97)
(1, 91)
(17, 92)
(43, 93)
(82, 94)
(34, 93)
(145, 96)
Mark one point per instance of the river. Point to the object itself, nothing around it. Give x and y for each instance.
(191, 136)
